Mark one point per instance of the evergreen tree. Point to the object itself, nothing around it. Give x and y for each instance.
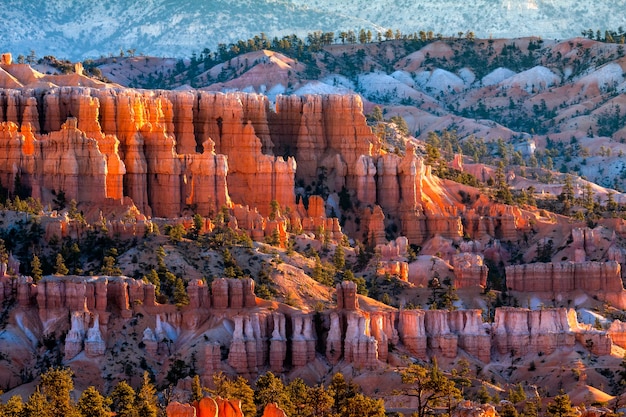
(238, 388)
(339, 258)
(430, 388)
(274, 210)
(56, 386)
(37, 406)
(362, 406)
(298, 393)
(181, 298)
(270, 389)
(13, 408)
(503, 192)
(35, 269)
(508, 410)
(341, 391)
(198, 224)
(530, 409)
(123, 400)
(561, 407)
(60, 268)
(320, 402)
(517, 394)
(567, 195)
(92, 404)
(197, 392)
(146, 399)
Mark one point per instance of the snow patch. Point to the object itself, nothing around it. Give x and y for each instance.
(467, 75)
(497, 76)
(337, 80)
(439, 81)
(316, 87)
(534, 80)
(404, 77)
(590, 317)
(606, 77)
(380, 86)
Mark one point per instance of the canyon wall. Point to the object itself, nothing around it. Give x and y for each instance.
(233, 331)
(179, 152)
(600, 279)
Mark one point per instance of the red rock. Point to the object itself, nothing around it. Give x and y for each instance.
(522, 331)
(469, 409)
(334, 340)
(412, 332)
(228, 408)
(6, 59)
(617, 332)
(469, 271)
(346, 296)
(69, 155)
(272, 410)
(94, 344)
(176, 409)
(278, 343)
(441, 341)
(302, 341)
(472, 336)
(240, 355)
(602, 279)
(206, 407)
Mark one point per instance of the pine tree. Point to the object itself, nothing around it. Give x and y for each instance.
(92, 404)
(270, 389)
(503, 192)
(567, 195)
(298, 393)
(123, 400)
(339, 258)
(146, 400)
(35, 269)
(60, 268)
(561, 407)
(508, 410)
(37, 406)
(196, 390)
(362, 406)
(13, 408)
(238, 388)
(56, 385)
(530, 409)
(341, 391)
(181, 298)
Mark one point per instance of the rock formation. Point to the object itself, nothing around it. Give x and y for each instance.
(601, 279)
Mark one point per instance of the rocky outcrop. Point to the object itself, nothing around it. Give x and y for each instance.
(346, 296)
(278, 344)
(520, 332)
(469, 270)
(233, 293)
(617, 332)
(412, 332)
(601, 279)
(473, 336)
(273, 410)
(176, 409)
(302, 341)
(242, 337)
(470, 409)
(206, 407)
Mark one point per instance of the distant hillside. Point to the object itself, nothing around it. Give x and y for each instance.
(82, 28)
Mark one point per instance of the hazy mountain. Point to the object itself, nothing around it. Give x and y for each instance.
(78, 29)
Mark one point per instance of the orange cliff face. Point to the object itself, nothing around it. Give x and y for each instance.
(159, 148)
(175, 152)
